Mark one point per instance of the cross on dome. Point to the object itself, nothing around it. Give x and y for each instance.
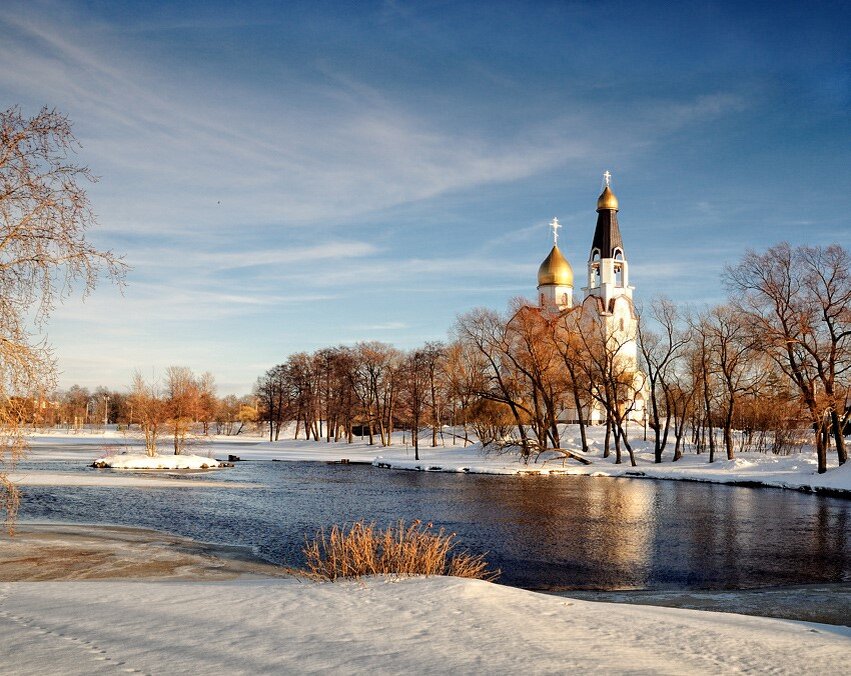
(555, 225)
(607, 176)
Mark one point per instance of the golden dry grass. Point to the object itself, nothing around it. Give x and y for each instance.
(415, 549)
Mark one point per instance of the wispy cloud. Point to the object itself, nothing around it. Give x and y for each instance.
(385, 326)
(348, 149)
(263, 190)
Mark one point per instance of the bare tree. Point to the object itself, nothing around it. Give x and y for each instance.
(532, 354)
(415, 389)
(660, 353)
(433, 356)
(379, 368)
(44, 254)
(464, 374)
(615, 383)
(181, 402)
(703, 376)
(798, 304)
(149, 410)
(731, 359)
(274, 395)
(568, 342)
(485, 331)
(207, 402)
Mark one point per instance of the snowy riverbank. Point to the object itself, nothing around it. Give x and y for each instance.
(796, 471)
(220, 625)
(383, 625)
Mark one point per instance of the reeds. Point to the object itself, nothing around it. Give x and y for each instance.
(415, 549)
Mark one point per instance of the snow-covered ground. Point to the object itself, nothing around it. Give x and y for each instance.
(141, 461)
(384, 625)
(99, 478)
(797, 470)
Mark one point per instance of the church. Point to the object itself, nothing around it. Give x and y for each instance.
(607, 296)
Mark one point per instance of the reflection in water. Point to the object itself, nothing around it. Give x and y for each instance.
(544, 532)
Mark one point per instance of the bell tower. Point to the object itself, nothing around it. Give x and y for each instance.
(608, 269)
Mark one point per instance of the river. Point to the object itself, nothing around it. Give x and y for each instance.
(545, 533)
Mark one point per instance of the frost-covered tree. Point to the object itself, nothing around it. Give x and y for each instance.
(44, 254)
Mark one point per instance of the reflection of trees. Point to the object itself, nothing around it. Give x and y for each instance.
(622, 533)
(830, 543)
(563, 530)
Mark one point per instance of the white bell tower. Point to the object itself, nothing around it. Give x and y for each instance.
(608, 269)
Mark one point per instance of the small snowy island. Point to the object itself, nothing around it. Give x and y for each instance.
(142, 461)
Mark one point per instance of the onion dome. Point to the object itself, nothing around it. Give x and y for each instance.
(607, 235)
(555, 270)
(607, 200)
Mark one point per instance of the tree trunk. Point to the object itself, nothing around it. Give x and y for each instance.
(618, 458)
(580, 415)
(627, 445)
(708, 427)
(657, 427)
(821, 447)
(837, 423)
(728, 428)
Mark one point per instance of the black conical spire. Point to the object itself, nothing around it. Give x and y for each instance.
(607, 235)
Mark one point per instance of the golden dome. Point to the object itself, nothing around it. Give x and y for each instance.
(555, 270)
(607, 200)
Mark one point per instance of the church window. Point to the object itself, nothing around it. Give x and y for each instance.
(564, 299)
(618, 255)
(618, 275)
(542, 300)
(595, 254)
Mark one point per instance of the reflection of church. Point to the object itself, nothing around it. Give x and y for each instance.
(608, 294)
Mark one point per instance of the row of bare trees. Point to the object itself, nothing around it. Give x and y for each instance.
(180, 405)
(772, 362)
(752, 374)
(366, 390)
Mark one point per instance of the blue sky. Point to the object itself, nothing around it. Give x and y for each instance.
(285, 176)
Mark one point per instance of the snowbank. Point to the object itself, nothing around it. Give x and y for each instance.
(383, 625)
(796, 471)
(105, 480)
(142, 461)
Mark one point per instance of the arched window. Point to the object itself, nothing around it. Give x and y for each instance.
(618, 255)
(618, 275)
(595, 255)
(564, 299)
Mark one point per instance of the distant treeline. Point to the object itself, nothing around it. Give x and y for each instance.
(768, 370)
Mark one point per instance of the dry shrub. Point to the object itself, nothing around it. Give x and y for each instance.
(415, 549)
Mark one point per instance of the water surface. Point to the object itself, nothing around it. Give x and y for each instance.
(553, 533)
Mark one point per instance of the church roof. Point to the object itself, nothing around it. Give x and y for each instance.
(555, 270)
(607, 235)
